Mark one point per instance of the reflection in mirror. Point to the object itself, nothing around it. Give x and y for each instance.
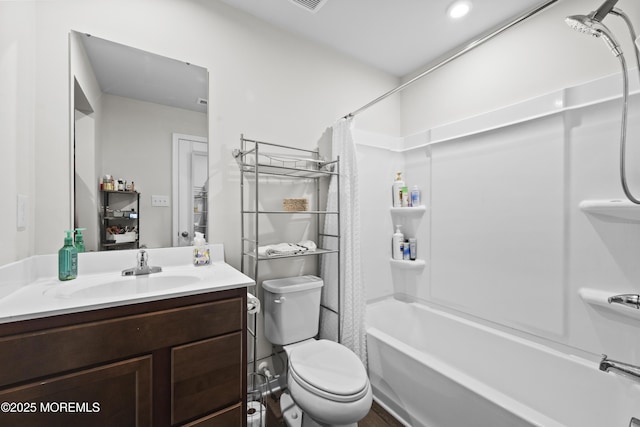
(139, 146)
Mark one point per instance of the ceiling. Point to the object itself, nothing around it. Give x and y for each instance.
(396, 36)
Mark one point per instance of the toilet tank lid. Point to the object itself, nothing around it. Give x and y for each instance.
(292, 284)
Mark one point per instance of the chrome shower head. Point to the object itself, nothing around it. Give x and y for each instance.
(583, 23)
(588, 24)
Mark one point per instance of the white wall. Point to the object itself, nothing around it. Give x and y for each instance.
(263, 83)
(17, 133)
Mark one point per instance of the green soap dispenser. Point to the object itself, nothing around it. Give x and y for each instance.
(79, 240)
(68, 259)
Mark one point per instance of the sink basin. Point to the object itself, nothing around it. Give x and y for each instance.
(123, 286)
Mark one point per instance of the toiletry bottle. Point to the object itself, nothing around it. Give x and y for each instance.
(397, 190)
(406, 254)
(67, 259)
(397, 243)
(79, 244)
(405, 197)
(413, 249)
(200, 250)
(415, 196)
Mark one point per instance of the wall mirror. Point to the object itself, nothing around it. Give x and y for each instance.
(139, 146)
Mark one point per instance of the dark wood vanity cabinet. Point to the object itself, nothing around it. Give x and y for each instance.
(173, 362)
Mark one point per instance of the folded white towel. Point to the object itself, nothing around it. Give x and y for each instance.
(282, 249)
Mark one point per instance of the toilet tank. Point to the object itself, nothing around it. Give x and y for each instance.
(291, 308)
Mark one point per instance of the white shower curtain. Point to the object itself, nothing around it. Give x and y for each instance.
(352, 310)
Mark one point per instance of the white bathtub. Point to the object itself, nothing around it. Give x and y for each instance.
(435, 369)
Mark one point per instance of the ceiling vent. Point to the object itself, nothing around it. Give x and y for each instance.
(310, 5)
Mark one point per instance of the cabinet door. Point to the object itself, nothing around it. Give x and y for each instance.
(118, 394)
(206, 376)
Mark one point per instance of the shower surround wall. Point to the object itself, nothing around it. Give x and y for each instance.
(506, 242)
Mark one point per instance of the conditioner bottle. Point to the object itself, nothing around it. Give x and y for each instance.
(398, 184)
(397, 242)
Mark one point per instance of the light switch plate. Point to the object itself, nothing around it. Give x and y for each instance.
(160, 201)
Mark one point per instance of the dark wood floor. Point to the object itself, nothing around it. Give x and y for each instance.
(377, 416)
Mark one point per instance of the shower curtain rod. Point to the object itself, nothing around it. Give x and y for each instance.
(457, 54)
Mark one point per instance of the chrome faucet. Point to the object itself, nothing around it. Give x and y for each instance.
(629, 300)
(142, 266)
(621, 367)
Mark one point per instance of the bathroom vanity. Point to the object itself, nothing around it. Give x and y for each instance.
(157, 358)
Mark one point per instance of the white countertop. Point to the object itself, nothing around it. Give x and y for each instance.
(29, 290)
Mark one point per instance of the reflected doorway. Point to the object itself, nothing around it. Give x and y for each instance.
(190, 188)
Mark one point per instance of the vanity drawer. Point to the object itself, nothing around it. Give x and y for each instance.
(52, 351)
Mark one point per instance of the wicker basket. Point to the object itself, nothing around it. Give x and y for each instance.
(294, 205)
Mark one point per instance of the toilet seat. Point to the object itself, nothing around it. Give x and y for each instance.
(329, 370)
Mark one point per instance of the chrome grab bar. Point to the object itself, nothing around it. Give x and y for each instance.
(629, 300)
(625, 368)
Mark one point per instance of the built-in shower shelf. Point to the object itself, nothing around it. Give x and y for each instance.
(400, 263)
(409, 211)
(614, 208)
(600, 298)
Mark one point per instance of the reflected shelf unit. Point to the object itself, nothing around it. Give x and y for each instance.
(266, 164)
(124, 215)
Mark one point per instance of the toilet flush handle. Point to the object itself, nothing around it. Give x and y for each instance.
(279, 300)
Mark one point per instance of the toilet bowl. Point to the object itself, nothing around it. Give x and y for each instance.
(328, 383)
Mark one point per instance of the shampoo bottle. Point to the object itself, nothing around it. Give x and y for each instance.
(200, 250)
(79, 244)
(67, 259)
(398, 184)
(397, 244)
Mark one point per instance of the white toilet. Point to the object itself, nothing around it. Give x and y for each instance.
(328, 385)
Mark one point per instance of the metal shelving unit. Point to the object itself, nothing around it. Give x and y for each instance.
(108, 218)
(288, 164)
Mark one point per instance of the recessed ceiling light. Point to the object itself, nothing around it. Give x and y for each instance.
(459, 9)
